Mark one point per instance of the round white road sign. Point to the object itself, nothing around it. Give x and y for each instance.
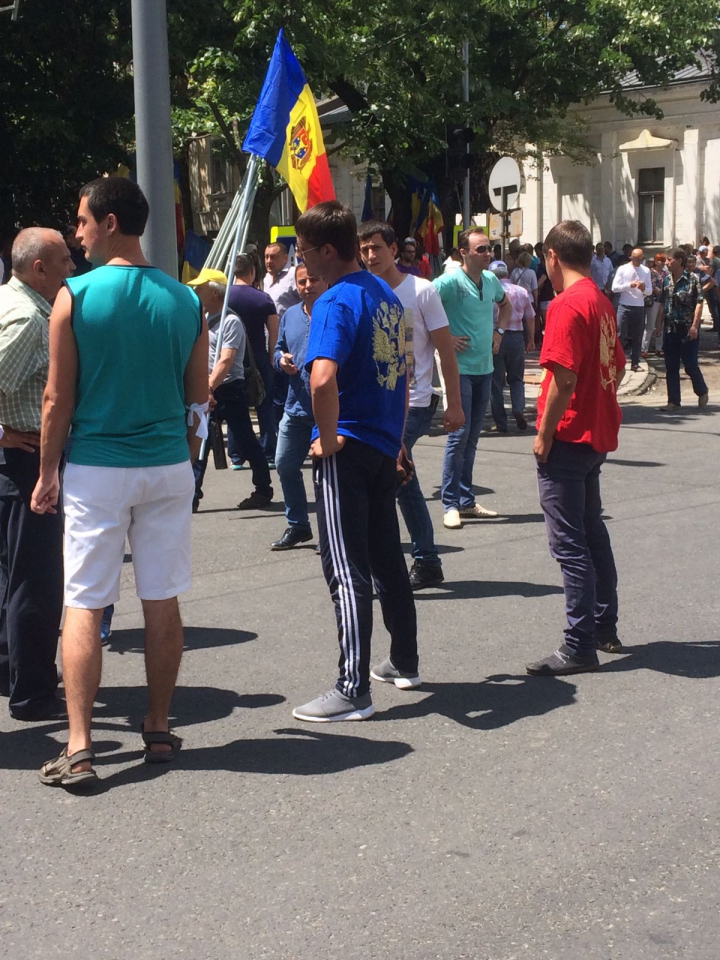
(504, 179)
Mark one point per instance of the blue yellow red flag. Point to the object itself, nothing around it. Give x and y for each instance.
(285, 129)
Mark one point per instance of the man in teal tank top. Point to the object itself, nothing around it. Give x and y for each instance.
(128, 374)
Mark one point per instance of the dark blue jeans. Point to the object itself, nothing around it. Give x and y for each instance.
(267, 424)
(508, 362)
(232, 408)
(569, 485)
(678, 349)
(631, 322)
(410, 498)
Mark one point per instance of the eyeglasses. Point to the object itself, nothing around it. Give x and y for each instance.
(483, 248)
(301, 251)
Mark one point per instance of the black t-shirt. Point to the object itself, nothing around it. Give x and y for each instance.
(253, 307)
(545, 289)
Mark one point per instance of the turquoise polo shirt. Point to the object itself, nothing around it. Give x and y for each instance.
(470, 314)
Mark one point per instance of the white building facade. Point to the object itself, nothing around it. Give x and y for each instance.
(652, 183)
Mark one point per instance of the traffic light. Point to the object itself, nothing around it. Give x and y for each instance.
(459, 159)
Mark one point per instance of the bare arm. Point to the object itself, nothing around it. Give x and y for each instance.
(58, 404)
(223, 367)
(443, 342)
(273, 326)
(196, 385)
(694, 331)
(326, 407)
(503, 319)
(560, 391)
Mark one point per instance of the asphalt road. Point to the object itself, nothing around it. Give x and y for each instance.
(489, 815)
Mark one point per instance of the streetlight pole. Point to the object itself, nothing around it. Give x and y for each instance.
(466, 99)
(153, 131)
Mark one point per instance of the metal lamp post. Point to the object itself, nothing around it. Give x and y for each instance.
(153, 131)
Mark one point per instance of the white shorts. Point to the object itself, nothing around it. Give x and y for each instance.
(151, 506)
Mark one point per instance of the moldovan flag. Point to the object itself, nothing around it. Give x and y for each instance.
(285, 129)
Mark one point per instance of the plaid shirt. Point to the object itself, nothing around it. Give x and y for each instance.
(24, 355)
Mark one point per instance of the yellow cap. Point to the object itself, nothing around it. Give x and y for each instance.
(206, 275)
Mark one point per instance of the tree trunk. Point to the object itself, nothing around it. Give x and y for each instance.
(397, 189)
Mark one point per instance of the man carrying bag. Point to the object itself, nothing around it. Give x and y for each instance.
(227, 396)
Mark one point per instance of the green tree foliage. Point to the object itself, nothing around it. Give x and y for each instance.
(398, 69)
(65, 104)
(66, 96)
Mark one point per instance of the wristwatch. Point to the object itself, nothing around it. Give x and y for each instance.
(499, 330)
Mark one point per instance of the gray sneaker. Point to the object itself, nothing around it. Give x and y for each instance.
(387, 672)
(333, 706)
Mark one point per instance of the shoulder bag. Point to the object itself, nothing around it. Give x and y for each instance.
(253, 385)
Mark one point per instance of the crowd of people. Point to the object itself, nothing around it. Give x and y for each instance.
(105, 412)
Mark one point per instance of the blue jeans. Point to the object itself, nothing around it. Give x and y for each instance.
(410, 498)
(569, 485)
(293, 446)
(509, 361)
(457, 492)
(677, 348)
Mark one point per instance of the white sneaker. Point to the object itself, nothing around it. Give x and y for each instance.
(477, 511)
(452, 519)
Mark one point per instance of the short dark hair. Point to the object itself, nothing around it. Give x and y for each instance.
(371, 227)
(119, 196)
(244, 266)
(333, 223)
(627, 246)
(572, 243)
(464, 238)
(679, 253)
(716, 251)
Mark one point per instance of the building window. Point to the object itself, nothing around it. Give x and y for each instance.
(651, 204)
(377, 199)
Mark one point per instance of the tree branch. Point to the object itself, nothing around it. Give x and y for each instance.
(228, 136)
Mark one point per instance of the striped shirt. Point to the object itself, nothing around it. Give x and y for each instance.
(24, 355)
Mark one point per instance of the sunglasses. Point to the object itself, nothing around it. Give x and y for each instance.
(482, 248)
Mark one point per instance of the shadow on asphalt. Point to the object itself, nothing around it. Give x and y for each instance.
(650, 418)
(293, 752)
(299, 752)
(28, 747)
(483, 589)
(615, 461)
(195, 638)
(504, 520)
(495, 702)
(699, 660)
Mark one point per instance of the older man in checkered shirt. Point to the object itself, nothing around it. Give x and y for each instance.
(31, 576)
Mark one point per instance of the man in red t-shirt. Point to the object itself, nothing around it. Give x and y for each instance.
(578, 424)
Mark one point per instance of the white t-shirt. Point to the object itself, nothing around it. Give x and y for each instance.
(424, 312)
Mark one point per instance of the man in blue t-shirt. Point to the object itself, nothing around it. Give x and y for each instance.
(358, 383)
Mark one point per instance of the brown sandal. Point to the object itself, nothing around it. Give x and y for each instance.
(162, 736)
(59, 772)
